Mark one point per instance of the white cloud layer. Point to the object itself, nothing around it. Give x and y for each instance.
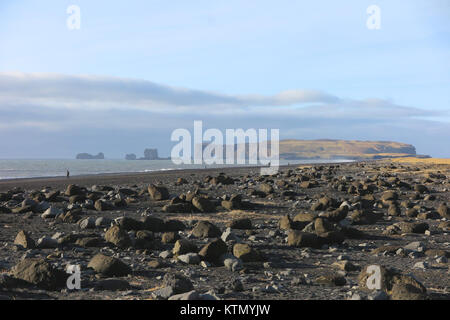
(39, 104)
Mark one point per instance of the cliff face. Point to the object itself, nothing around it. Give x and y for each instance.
(344, 149)
(151, 154)
(130, 156)
(87, 156)
(338, 149)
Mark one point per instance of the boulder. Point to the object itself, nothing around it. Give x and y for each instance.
(242, 223)
(303, 239)
(118, 236)
(203, 204)
(109, 266)
(158, 193)
(183, 246)
(246, 253)
(40, 273)
(23, 239)
(205, 229)
(212, 251)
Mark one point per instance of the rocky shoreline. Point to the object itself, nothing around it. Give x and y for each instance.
(309, 232)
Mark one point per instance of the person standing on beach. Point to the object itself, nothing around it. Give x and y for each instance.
(68, 174)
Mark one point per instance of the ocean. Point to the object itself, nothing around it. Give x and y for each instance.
(14, 169)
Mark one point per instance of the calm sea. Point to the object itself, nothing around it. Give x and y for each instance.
(12, 169)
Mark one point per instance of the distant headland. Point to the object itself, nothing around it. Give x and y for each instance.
(149, 154)
(294, 149)
(87, 156)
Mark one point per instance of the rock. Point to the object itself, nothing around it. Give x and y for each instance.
(158, 193)
(236, 285)
(333, 237)
(189, 258)
(178, 283)
(444, 225)
(388, 249)
(120, 203)
(101, 205)
(109, 266)
(22, 209)
(389, 196)
(52, 196)
(308, 184)
(128, 224)
(40, 273)
(184, 207)
(51, 213)
(205, 229)
(437, 253)
(212, 251)
(336, 215)
(361, 217)
(191, 295)
(170, 237)
(87, 223)
(88, 242)
(228, 235)
(414, 246)
(231, 262)
(406, 292)
(153, 224)
(222, 179)
(243, 224)
(173, 225)
(163, 293)
(345, 265)
(203, 204)
(303, 239)
(286, 223)
(394, 210)
(181, 181)
(266, 188)
(388, 278)
(112, 285)
(102, 222)
(144, 239)
(183, 246)
(323, 226)
(118, 236)
(24, 239)
(420, 188)
(77, 199)
(47, 243)
(331, 280)
(420, 265)
(73, 190)
(166, 254)
(413, 227)
(234, 203)
(378, 295)
(246, 253)
(305, 217)
(444, 211)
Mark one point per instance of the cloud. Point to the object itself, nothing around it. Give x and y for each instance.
(98, 92)
(35, 106)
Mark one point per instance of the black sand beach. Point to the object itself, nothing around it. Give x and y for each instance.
(308, 232)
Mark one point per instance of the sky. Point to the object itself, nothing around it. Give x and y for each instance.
(137, 70)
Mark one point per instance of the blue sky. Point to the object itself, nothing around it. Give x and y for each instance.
(136, 70)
